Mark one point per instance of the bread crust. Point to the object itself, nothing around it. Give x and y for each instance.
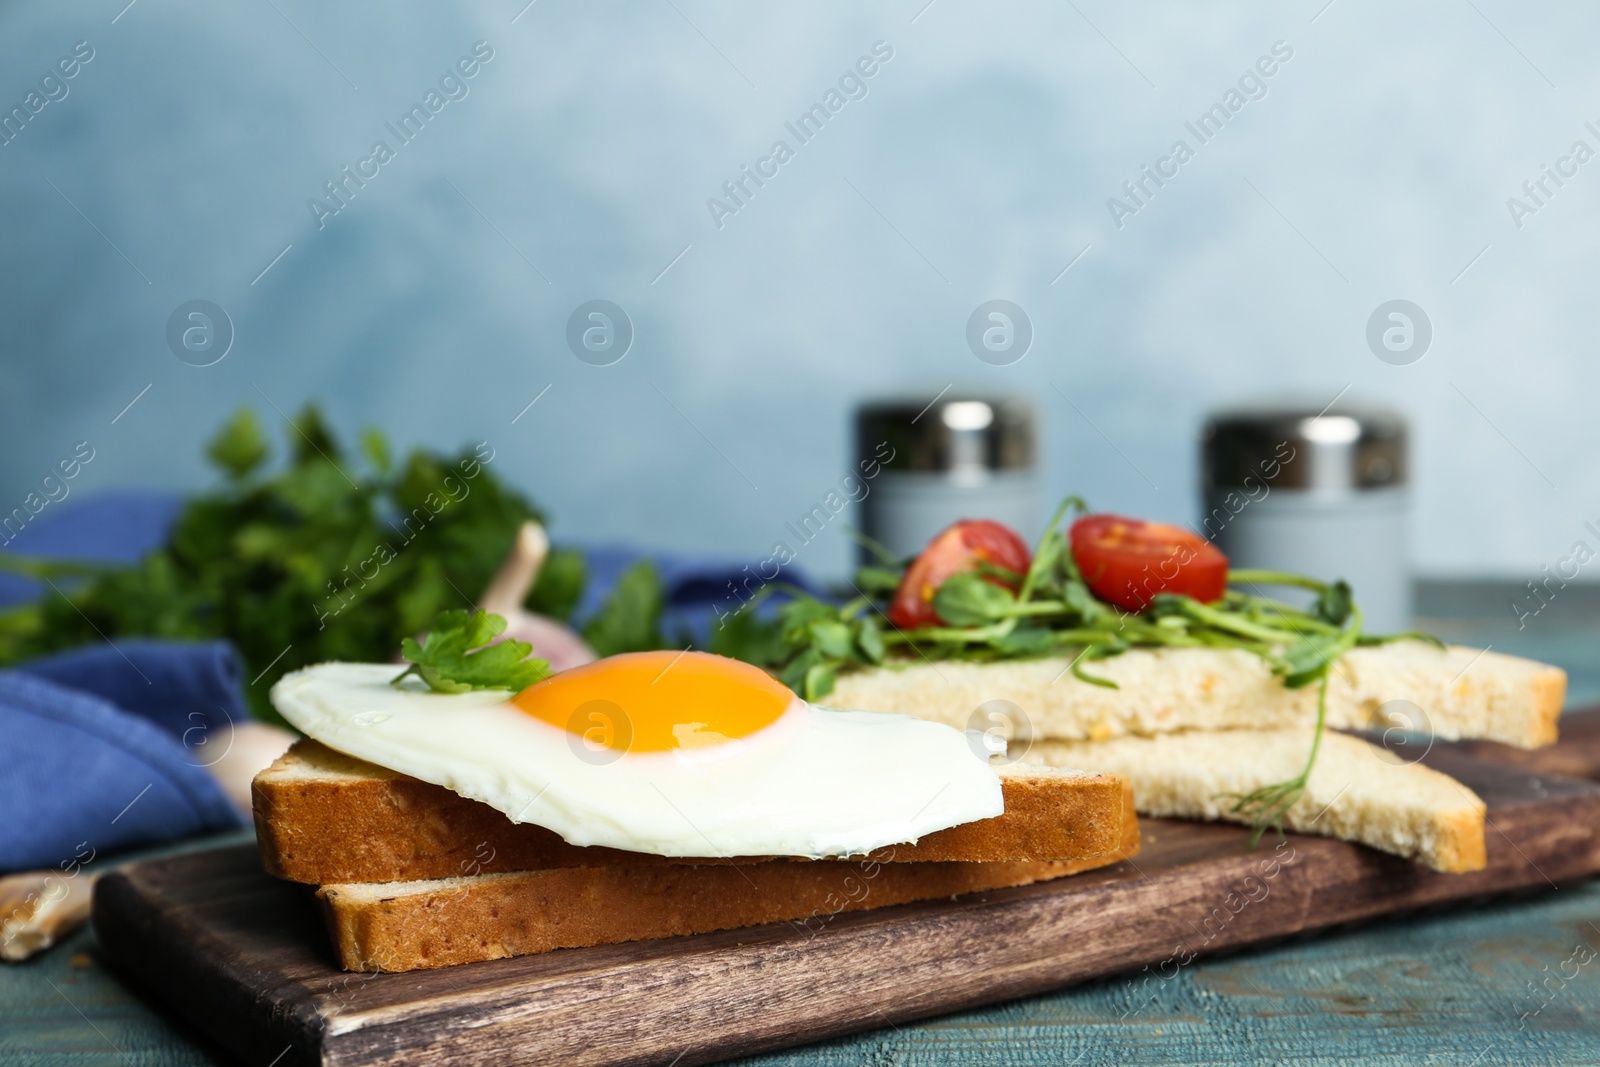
(323, 817)
(1357, 791)
(1461, 693)
(415, 925)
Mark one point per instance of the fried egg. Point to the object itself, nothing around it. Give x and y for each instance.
(671, 753)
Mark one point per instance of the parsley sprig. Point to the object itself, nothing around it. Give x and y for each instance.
(807, 642)
(329, 554)
(455, 655)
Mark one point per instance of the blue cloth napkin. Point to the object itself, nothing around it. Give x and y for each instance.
(189, 690)
(81, 775)
(106, 747)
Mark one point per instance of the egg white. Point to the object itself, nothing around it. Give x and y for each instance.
(816, 783)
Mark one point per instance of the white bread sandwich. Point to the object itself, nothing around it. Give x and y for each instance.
(477, 805)
(1132, 647)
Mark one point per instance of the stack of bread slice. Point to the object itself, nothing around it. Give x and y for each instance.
(1194, 728)
(411, 875)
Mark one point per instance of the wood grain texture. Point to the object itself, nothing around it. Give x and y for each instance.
(242, 956)
(1576, 755)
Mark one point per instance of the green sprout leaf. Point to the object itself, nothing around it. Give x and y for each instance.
(968, 600)
(1082, 603)
(1308, 659)
(1027, 641)
(1334, 603)
(1266, 807)
(869, 639)
(820, 679)
(877, 581)
(832, 638)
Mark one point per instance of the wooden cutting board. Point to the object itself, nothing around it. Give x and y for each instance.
(244, 957)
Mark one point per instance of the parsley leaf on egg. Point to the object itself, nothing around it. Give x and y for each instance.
(455, 656)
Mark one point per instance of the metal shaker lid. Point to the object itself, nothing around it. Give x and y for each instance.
(955, 434)
(1340, 448)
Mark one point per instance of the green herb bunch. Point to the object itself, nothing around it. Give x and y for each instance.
(287, 565)
(1048, 611)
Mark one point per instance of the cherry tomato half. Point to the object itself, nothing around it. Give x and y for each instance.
(957, 549)
(1128, 561)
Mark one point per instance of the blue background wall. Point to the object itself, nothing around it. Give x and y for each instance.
(977, 166)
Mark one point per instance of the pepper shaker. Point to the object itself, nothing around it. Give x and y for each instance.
(1321, 493)
(960, 457)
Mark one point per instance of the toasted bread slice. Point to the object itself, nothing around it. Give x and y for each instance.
(324, 817)
(404, 926)
(1357, 792)
(1462, 693)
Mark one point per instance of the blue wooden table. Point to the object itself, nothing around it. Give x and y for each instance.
(1507, 982)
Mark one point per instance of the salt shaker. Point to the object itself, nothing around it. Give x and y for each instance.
(960, 457)
(1318, 492)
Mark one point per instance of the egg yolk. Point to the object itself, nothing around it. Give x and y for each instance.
(657, 701)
